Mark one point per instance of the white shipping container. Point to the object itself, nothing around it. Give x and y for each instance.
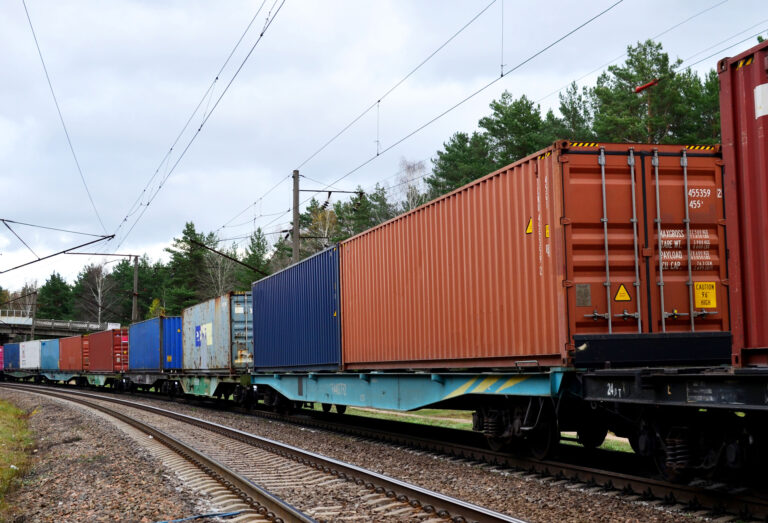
(29, 354)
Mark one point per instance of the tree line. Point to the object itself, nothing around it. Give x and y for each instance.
(680, 108)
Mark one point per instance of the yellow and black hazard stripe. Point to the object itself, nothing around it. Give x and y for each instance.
(700, 147)
(744, 62)
(545, 155)
(584, 144)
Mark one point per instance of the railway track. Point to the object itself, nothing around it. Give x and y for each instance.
(711, 498)
(278, 474)
(707, 497)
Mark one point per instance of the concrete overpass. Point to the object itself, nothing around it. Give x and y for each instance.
(16, 326)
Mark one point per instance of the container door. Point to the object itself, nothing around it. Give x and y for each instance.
(604, 234)
(688, 267)
(645, 271)
(242, 330)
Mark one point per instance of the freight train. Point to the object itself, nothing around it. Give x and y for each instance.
(590, 287)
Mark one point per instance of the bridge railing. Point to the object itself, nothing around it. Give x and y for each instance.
(23, 318)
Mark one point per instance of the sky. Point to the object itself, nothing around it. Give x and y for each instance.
(128, 76)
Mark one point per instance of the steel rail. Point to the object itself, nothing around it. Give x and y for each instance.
(263, 502)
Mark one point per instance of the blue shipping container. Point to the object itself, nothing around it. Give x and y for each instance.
(49, 355)
(155, 344)
(296, 316)
(11, 356)
(217, 334)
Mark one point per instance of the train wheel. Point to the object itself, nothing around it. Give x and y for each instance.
(545, 438)
(592, 436)
(341, 409)
(326, 407)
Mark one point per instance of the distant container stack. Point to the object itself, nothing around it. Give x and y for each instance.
(218, 334)
(296, 316)
(155, 344)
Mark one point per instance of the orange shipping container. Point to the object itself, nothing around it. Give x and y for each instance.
(71, 353)
(562, 257)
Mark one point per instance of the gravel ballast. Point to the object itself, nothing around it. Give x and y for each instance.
(85, 468)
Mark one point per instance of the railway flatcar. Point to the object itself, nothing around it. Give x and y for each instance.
(588, 287)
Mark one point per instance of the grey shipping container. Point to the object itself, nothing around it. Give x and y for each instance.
(296, 320)
(217, 334)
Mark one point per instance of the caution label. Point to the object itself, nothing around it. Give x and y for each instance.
(529, 227)
(622, 294)
(706, 294)
(546, 231)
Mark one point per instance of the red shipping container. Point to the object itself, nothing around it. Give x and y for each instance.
(511, 269)
(71, 353)
(108, 351)
(744, 122)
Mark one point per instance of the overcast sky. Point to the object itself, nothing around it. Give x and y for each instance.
(128, 75)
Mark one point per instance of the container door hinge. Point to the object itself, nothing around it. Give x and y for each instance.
(647, 252)
(562, 158)
(565, 221)
(567, 283)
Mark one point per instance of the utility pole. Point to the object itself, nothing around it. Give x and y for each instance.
(34, 313)
(295, 247)
(135, 312)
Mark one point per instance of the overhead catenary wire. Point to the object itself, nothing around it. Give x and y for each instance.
(61, 117)
(606, 64)
(378, 100)
(465, 99)
(724, 49)
(50, 228)
(365, 111)
(268, 23)
(136, 204)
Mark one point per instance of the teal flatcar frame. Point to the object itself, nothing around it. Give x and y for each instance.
(408, 391)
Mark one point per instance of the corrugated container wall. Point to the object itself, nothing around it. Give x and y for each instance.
(218, 334)
(155, 344)
(523, 265)
(49, 354)
(2, 361)
(744, 122)
(296, 316)
(11, 356)
(108, 351)
(71, 353)
(29, 354)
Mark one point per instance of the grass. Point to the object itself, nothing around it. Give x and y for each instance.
(461, 419)
(611, 442)
(452, 419)
(15, 442)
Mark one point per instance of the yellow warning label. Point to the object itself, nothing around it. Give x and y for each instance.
(622, 294)
(169, 359)
(546, 230)
(706, 294)
(529, 227)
